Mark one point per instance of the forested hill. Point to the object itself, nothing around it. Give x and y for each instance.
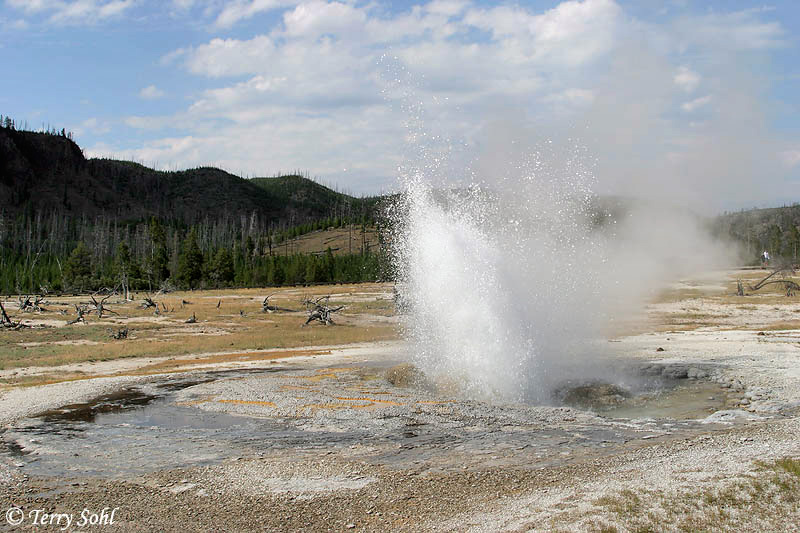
(71, 223)
(47, 173)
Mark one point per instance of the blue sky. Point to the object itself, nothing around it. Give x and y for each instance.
(695, 94)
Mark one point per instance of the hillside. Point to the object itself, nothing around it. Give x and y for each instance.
(48, 173)
(352, 239)
(308, 196)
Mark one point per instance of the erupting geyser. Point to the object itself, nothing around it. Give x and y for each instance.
(499, 279)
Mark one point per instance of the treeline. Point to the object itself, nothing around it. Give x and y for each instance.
(776, 230)
(12, 124)
(62, 253)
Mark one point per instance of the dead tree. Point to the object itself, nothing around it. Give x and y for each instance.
(788, 284)
(266, 308)
(100, 306)
(6, 322)
(26, 305)
(81, 310)
(219, 302)
(120, 334)
(780, 270)
(317, 311)
(166, 287)
(148, 302)
(192, 319)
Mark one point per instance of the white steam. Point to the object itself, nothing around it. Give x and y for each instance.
(500, 281)
(507, 284)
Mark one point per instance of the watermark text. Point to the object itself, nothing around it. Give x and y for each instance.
(16, 516)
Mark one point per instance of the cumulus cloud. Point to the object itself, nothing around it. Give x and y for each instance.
(238, 10)
(151, 92)
(319, 89)
(92, 125)
(686, 79)
(737, 31)
(695, 104)
(228, 57)
(75, 11)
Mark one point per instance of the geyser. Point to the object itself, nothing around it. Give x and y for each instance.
(500, 280)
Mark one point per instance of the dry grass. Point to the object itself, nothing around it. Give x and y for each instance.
(237, 329)
(766, 500)
(339, 240)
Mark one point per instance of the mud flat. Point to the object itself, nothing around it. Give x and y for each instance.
(692, 428)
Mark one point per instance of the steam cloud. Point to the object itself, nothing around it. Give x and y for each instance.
(510, 280)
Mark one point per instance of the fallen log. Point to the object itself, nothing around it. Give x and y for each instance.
(788, 284)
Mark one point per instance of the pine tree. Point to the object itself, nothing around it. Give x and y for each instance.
(159, 256)
(78, 268)
(190, 262)
(222, 270)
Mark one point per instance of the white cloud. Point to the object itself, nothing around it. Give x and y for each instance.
(238, 10)
(74, 11)
(571, 33)
(791, 158)
(687, 79)
(151, 92)
(577, 97)
(229, 57)
(449, 8)
(696, 104)
(315, 18)
(92, 125)
(737, 31)
(335, 82)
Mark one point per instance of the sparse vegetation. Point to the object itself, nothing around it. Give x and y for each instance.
(217, 329)
(765, 500)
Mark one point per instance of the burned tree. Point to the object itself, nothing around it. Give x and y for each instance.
(120, 334)
(81, 310)
(26, 305)
(100, 306)
(148, 303)
(6, 322)
(789, 285)
(192, 319)
(266, 308)
(321, 312)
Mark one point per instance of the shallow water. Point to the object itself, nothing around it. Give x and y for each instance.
(135, 431)
(685, 401)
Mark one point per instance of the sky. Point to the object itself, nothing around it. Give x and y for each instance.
(696, 100)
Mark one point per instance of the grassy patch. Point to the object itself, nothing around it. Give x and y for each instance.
(227, 321)
(766, 500)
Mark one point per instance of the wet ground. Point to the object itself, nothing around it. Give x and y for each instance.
(351, 410)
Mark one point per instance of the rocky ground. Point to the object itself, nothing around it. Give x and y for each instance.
(339, 439)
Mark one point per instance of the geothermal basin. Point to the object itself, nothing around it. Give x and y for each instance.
(354, 436)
